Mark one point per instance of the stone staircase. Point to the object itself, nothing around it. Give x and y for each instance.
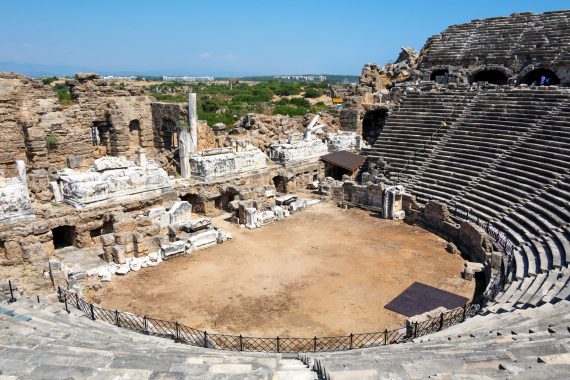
(56, 345)
(524, 344)
(504, 159)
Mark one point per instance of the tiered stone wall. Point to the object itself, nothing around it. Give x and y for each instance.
(514, 45)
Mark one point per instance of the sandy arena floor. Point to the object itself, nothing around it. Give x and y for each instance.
(325, 271)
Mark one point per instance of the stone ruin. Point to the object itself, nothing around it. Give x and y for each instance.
(216, 164)
(307, 147)
(15, 204)
(300, 148)
(111, 178)
(252, 214)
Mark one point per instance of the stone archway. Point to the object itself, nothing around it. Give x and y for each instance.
(280, 183)
(540, 77)
(439, 76)
(372, 125)
(135, 137)
(491, 76)
(63, 236)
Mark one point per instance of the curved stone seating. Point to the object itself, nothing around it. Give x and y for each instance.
(523, 344)
(503, 158)
(501, 40)
(55, 345)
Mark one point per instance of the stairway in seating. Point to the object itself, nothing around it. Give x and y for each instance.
(58, 345)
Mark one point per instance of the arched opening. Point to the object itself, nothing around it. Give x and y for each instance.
(491, 76)
(372, 125)
(101, 132)
(280, 183)
(541, 77)
(197, 202)
(134, 136)
(440, 76)
(223, 201)
(63, 236)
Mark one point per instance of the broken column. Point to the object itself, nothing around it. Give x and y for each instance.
(193, 121)
(188, 137)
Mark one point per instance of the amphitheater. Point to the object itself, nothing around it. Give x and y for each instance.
(468, 139)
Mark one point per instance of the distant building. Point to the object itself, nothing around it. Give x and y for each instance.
(306, 78)
(187, 79)
(112, 77)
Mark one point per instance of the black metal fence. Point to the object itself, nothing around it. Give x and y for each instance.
(188, 335)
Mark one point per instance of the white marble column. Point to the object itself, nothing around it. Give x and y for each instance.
(193, 121)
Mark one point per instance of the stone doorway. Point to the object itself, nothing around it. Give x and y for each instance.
(63, 236)
(197, 202)
(440, 76)
(541, 77)
(372, 125)
(491, 76)
(223, 201)
(169, 135)
(280, 183)
(101, 133)
(134, 137)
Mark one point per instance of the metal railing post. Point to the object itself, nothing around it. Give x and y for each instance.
(464, 312)
(145, 321)
(441, 322)
(65, 302)
(241, 343)
(77, 301)
(385, 337)
(350, 344)
(177, 337)
(315, 344)
(117, 321)
(205, 339)
(277, 344)
(12, 299)
(92, 311)
(416, 330)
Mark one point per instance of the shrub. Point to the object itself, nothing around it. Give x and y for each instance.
(63, 94)
(49, 80)
(51, 141)
(312, 93)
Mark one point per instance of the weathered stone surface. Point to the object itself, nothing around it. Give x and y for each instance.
(180, 212)
(111, 179)
(204, 239)
(215, 164)
(196, 225)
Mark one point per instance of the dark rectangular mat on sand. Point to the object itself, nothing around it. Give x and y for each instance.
(419, 298)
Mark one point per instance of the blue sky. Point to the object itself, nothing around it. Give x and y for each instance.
(222, 37)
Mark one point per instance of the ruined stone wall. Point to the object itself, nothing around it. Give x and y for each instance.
(262, 130)
(38, 129)
(33, 242)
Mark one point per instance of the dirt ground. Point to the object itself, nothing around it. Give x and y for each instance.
(324, 271)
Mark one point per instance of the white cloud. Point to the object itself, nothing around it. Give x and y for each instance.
(204, 55)
(230, 57)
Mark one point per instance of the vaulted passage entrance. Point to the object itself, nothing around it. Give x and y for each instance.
(63, 236)
(541, 77)
(372, 125)
(491, 76)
